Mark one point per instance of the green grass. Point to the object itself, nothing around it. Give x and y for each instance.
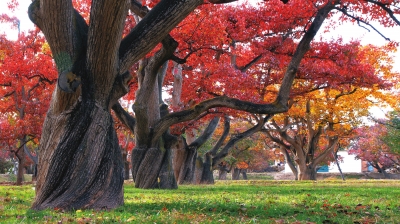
(368, 201)
(13, 177)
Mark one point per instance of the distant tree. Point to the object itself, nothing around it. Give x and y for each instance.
(392, 137)
(27, 79)
(370, 146)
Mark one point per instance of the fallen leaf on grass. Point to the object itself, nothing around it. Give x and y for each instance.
(360, 207)
(131, 219)
(83, 220)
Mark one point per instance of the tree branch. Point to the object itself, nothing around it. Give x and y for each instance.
(153, 28)
(207, 133)
(222, 101)
(251, 63)
(221, 140)
(238, 137)
(361, 21)
(302, 48)
(128, 120)
(333, 141)
(104, 36)
(388, 10)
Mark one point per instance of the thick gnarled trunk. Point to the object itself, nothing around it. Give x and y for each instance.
(85, 170)
(152, 168)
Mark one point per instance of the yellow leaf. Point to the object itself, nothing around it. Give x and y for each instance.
(131, 219)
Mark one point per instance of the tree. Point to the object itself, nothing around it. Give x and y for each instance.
(331, 112)
(27, 77)
(392, 137)
(80, 161)
(371, 147)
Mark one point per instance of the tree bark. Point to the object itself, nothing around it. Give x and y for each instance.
(222, 174)
(306, 172)
(244, 174)
(85, 170)
(222, 171)
(21, 164)
(236, 174)
(188, 155)
(207, 176)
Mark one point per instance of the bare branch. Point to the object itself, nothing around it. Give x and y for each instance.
(345, 93)
(388, 10)
(128, 120)
(207, 133)
(222, 101)
(238, 137)
(221, 140)
(361, 21)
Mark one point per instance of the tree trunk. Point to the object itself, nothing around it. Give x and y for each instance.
(207, 176)
(236, 174)
(146, 165)
(306, 172)
(80, 161)
(222, 171)
(222, 174)
(244, 174)
(381, 170)
(126, 163)
(198, 171)
(338, 165)
(167, 175)
(186, 173)
(21, 163)
(34, 160)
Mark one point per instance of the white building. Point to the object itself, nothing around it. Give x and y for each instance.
(348, 164)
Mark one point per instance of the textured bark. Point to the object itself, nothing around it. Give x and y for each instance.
(153, 160)
(222, 174)
(21, 166)
(80, 163)
(306, 172)
(185, 156)
(198, 171)
(167, 175)
(236, 174)
(207, 176)
(80, 182)
(126, 163)
(244, 174)
(186, 171)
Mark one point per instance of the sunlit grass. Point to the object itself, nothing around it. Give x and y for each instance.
(368, 201)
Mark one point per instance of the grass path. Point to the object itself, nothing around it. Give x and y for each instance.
(368, 201)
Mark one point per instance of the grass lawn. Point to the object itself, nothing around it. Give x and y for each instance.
(354, 201)
(13, 178)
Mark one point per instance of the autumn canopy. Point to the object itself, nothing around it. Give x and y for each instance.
(256, 69)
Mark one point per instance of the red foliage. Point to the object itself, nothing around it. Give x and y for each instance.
(27, 80)
(370, 147)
